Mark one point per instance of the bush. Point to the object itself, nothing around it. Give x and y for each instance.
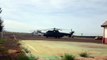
(68, 57)
(3, 50)
(2, 41)
(33, 58)
(22, 57)
(84, 54)
(26, 50)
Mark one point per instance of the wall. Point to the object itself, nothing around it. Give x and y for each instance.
(105, 32)
(105, 35)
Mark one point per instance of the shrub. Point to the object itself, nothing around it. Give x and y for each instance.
(22, 57)
(84, 54)
(68, 57)
(2, 41)
(3, 50)
(33, 58)
(26, 50)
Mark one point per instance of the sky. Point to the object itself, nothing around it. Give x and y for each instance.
(82, 16)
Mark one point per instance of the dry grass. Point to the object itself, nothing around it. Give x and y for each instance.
(59, 48)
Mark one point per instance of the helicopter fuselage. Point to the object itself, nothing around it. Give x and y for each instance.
(57, 34)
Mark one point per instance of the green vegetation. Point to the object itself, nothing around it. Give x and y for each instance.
(3, 50)
(53, 58)
(1, 25)
(68, 57)
(2, 41)
(22, 57)
(31, 57)
(6, 45)
(84, 54)
(26, 50)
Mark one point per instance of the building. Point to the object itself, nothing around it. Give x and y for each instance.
(104, 32)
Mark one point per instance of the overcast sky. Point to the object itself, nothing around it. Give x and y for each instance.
(83, 16)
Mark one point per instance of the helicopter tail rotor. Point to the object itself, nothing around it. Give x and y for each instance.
(71, 34)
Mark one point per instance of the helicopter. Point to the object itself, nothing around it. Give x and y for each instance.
(57, 34)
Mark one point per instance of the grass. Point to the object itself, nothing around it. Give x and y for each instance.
(68, 57)
(84, 54)
(2, 41)
(26, 50)
(3, 50)
(33, 58)
(6, 45)
(59, 48)
(23, 57)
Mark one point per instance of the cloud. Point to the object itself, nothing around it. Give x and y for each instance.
(20, 15)
(14, 25)
(52, 6)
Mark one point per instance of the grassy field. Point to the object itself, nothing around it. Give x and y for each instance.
(58, 48)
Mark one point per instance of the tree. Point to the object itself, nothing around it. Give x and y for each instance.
(1, 26)
(0, 10)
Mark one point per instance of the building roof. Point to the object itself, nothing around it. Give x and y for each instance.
(104, 24)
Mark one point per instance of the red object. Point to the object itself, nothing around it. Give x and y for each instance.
(104, 40)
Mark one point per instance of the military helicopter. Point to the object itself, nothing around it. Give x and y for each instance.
(57, 34)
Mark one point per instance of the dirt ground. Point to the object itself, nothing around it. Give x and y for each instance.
(30, 37)
(90, 40)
